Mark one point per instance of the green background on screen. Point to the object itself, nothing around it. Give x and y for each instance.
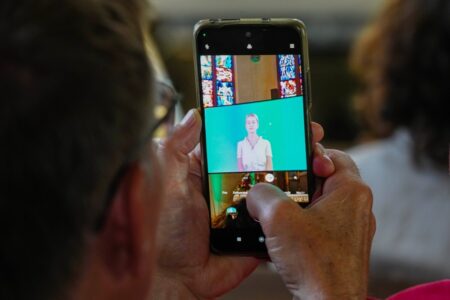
(281, 122)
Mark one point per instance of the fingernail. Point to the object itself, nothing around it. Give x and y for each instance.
(189, 119)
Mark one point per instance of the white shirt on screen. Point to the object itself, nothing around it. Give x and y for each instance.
(254, 158)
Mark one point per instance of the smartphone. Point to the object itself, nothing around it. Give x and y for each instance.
(253, 85)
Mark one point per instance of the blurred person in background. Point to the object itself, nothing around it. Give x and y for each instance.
(403, 63)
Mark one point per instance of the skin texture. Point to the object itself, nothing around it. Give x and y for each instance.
(185, 267)
(120, 259)
(321, 252)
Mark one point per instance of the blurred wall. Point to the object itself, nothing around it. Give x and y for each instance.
(332, 26)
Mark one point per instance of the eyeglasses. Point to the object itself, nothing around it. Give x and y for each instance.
(164, 114)
(164, 110)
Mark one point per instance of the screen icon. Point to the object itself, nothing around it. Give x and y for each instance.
(269, 177)
(207, 46)
(232, 212)
(238, 239)
(261, 239)
(292, 46)
(249, 46)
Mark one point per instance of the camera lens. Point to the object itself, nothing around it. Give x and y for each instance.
(248, 34)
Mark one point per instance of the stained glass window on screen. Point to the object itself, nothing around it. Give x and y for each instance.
(207, 80)
(224, 78)
(287, 75)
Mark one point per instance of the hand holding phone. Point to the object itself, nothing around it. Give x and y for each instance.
(324, 249)
(186, 268)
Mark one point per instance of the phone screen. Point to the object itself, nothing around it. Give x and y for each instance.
(255, 127)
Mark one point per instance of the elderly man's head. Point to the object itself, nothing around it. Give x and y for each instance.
(75, 88)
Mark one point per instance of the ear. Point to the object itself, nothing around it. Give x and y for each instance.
(126, 237)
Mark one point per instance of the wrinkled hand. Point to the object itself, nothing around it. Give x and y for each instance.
(321, 252)
(186, 269)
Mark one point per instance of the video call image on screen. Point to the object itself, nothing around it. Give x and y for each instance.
(254, 130)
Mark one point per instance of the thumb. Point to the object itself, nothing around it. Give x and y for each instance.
(282, 222)
(272, 207)
(186, 134)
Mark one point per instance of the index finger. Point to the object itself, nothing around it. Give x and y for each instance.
(317, 132)
(345, 170)
(343, 162)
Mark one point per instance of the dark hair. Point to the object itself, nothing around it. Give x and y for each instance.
(403, 61)
(75, 98)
